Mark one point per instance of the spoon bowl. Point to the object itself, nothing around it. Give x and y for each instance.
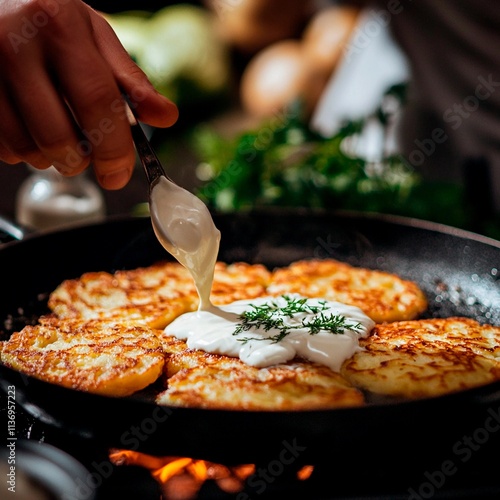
(181, 221)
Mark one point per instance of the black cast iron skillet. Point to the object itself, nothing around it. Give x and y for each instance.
(459, 272)
(48, 472)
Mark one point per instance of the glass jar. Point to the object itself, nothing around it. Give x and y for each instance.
(49, 200)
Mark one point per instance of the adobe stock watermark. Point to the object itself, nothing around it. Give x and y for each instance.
(365, 33)
(265, 476)
(248, 152)
(462, 451)
(95, 136)
(223, 7)
(131, 440)
(31, 26)
(454, 115)
(326, 247)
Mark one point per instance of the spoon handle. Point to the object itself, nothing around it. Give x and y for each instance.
(152, 165)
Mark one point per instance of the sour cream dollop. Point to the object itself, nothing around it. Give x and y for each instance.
(213, 330)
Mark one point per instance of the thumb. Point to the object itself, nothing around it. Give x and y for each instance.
(149, 105)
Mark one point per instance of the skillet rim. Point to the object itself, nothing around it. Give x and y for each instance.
(407, 222)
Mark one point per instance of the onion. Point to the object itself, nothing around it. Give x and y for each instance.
(276, 77)
(293, 69)
(251, 25)
(327, 34)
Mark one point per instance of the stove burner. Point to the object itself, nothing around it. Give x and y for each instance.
(477, 479)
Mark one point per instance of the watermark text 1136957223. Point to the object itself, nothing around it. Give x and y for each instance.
(11, 438)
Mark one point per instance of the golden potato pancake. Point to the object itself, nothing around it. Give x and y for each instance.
(106, 337)
(153, 295)
(424, 358)
(382, 296)
(201, 380)
(238, 281)
(96, 356)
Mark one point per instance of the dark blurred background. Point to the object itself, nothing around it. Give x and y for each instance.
(292, 164)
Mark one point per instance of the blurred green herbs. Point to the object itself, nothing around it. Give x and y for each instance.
(284, 163)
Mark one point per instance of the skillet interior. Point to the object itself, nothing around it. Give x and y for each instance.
(458, 271)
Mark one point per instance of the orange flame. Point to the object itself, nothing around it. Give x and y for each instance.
(164, 469)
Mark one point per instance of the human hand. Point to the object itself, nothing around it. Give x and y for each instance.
(63, 75)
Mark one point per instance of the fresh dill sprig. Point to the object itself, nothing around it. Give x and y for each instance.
(334, 323)
(271, 316)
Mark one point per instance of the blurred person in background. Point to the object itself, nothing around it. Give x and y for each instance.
(450, 129)
(63, 68)
(451, 125)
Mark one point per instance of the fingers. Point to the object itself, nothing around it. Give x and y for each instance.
(59, 100)
(150, 106)
(16, 143)
(92, 94)
(36, 123)
(61, 92)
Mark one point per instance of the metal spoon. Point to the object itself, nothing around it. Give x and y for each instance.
(181, 221)
(152, 166)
